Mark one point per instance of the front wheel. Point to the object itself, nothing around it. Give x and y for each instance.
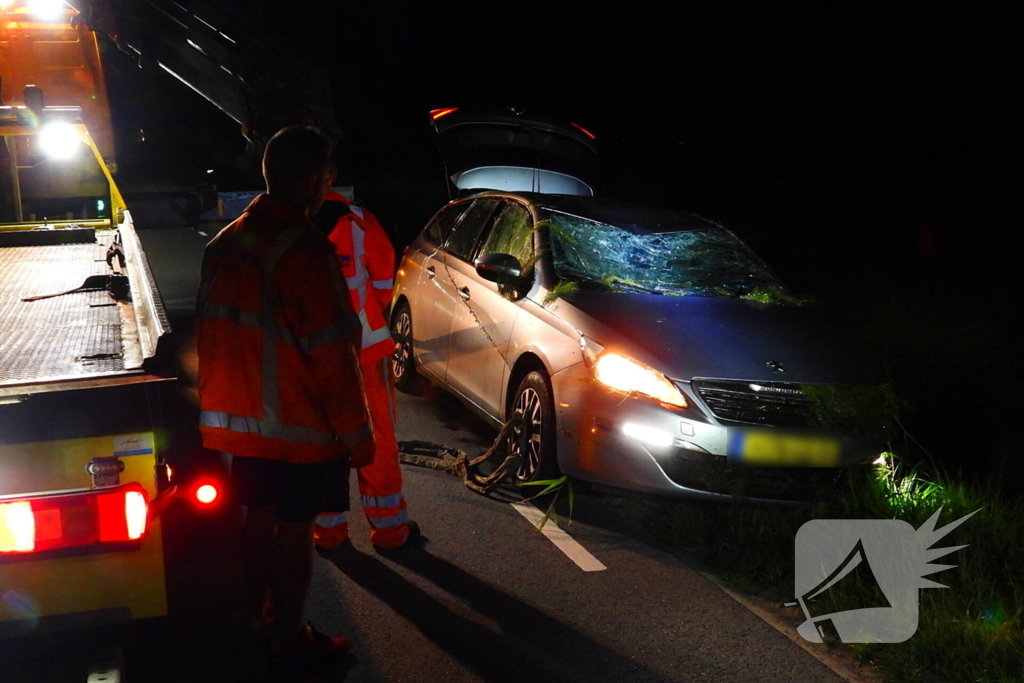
(403, 368)
(533, 440)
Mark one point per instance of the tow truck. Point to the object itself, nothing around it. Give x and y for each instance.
(85, 353)
(82, 350)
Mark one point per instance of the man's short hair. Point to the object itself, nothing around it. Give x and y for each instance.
(294, 154)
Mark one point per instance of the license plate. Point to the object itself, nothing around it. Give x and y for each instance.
(763, 448)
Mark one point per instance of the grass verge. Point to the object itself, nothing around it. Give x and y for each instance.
(971, 631)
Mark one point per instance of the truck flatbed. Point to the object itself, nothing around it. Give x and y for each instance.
(61, 337)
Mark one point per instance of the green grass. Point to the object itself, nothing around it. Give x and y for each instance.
(971, 631)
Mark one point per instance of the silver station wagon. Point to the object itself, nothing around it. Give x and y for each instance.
(647, 351)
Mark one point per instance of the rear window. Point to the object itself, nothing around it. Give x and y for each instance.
(463, 239)
(438, 229)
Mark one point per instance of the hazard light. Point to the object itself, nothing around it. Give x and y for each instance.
(77, 520)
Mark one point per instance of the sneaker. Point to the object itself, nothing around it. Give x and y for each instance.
(310, 643)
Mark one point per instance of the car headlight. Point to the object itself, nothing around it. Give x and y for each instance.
(618, 371)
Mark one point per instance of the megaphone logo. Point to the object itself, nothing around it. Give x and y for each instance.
(886, 558)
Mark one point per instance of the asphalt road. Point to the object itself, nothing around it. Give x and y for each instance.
(487, 597)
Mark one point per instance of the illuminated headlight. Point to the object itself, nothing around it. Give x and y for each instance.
(59, 140)
(625, 374)
(648, 435)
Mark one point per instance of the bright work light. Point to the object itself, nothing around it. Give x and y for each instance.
(47, 10)
(59, 140)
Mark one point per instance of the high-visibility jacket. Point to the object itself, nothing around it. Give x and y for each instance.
(367, 262)
(277, 341)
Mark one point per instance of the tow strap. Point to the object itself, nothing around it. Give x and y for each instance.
(439, 457)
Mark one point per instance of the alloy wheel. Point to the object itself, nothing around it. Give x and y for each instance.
(526, 440)
(401, 360)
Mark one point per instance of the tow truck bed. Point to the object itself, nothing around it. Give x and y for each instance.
(62, 337)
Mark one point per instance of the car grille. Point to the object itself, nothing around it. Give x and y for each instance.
(774, 404)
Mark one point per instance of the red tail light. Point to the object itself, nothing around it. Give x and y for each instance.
(438, 113)
(584, 130)
(79, 519)
(207, 494)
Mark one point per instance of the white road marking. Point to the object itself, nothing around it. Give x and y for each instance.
(563, 541)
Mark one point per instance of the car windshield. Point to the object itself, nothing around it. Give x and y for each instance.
(701, 262)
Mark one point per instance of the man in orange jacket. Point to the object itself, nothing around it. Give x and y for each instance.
(366, 260)
(279, 381)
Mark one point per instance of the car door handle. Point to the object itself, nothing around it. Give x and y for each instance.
(464, 293)
(431, 273)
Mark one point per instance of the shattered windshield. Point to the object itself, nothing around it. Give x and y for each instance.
(702, 262)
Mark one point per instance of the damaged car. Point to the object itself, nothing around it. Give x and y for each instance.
(643, 350)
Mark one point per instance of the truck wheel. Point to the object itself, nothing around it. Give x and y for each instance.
(534, 439)
(403, 367)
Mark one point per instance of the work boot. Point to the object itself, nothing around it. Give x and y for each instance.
(412, 540)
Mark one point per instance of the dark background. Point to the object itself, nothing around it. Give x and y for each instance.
(872, 158)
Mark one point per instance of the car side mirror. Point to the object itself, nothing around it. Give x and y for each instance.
(505, 271)
(499, 267)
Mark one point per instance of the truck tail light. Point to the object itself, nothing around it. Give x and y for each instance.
(17, 528)
(88, 519)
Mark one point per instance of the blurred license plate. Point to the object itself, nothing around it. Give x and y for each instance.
(774, 449)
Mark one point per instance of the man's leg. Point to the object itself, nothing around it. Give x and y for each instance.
(292, 572)
(258, 531)
(380, 483)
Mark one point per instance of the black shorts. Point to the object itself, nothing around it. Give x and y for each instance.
(298, 492)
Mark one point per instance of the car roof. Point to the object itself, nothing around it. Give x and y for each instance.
(626, 215)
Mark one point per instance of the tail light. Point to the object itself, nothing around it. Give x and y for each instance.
(583, 130)
(207, 493)
(89, 519)
(440, 113)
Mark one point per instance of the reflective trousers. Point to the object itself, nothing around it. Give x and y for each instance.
(380, 484)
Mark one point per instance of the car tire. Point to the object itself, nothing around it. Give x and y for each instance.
(403, 366)
(534, 438)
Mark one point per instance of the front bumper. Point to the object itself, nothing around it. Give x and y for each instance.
(678, 453)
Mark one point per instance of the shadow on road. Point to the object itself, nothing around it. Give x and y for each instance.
(527, 645)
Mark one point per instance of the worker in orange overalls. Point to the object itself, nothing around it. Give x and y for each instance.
(367, 262)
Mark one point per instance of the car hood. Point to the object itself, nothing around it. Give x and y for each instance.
(690, 336)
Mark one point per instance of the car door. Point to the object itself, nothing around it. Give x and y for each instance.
(478, 363)
(444, 298)
(431, 299)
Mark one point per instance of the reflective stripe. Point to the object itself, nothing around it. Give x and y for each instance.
(244, 318)
(327, 521)
(384, 284)
(272, 430)
(394, 500)
(328, 334)
(388, 522)
(371, 337)
(357, 210)
(231, 313)
(357, 282)
(357, 437)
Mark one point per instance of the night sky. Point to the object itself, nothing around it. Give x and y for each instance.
(873, 159)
